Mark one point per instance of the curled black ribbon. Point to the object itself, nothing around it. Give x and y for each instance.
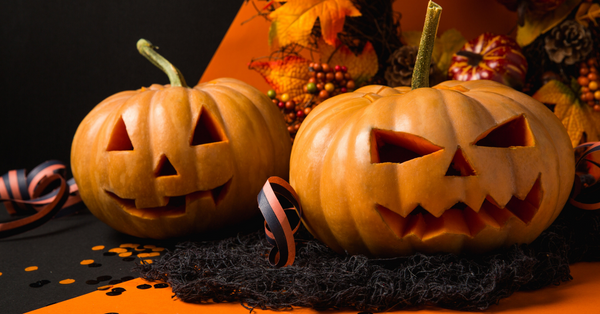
(40, 195)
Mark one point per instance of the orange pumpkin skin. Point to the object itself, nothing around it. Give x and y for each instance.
(173, 161)
(387, 172)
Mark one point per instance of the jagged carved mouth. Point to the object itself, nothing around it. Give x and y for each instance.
(461, 219)
(176, 205)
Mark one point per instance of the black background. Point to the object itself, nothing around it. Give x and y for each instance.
(60, 58)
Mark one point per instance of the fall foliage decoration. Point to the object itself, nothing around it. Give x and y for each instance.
(490, 57)
(170, 160)
(463, 166)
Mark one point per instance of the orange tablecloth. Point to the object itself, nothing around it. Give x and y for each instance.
(577, 296)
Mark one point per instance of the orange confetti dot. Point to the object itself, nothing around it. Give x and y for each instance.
(131, 245)
(86, 262)
(153, 254)
(98, 248)
(31, 268)
(66, 281)
(158, 249)
(146, 261)
(0, 273)
(118, 250)
(124, 254)
(149, 246)
(143, 255)
(105, 287)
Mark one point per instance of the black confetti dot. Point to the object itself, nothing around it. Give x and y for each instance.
(92, 282)
(127, 278)
(161, 285)
(115, 282)
(94, 265)
(144, 286)
(39, 283)
(104, 278)
(129, 259)
(109, 254)
(111, 313)
(118, 289)
(113, 293)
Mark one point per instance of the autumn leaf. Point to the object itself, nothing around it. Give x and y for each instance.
(444, 46)
(362, 67)
(293, 22)
(578, 118)
(288, 75)
(536, 25)
(588, 12)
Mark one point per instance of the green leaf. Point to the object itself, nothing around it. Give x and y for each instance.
(536, 25)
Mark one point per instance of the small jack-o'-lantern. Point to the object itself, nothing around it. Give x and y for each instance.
(168, 161)
(462, 166)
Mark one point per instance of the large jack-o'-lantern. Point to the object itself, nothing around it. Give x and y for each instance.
(168, 161)
(463, 166)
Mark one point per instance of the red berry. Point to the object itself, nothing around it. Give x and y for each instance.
(343, 90)
(281, 105)
(344, 68)
(300, 114)
(338, 68)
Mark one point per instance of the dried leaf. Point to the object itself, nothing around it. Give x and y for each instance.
(577, 118)
(361, 67)
(535, 25)
(288, 75)
(588, 12)
(293, 22)
(444, 46)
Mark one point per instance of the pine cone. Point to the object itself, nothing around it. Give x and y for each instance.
(569, 42)
(401, 65)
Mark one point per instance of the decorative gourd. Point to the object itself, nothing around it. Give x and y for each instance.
(463, 166)
(490, 57)
(169, 161)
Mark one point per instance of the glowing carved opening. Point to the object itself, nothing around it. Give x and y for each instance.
(461, 219)
(513, 133)
(206, 130)
(119, 138)
(398, 147)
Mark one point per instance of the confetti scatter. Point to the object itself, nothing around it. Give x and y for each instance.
(66, 281)
(161, 285)
(104, 278)
(158, 249)
(146, 261)
(0, 273)
(144, 255)
(129, 245)
(124, 254)
(144, 286)
(104, 287)
(98, 248)
(116, 291)
(86, 262)
(31, 268)
(149, 246)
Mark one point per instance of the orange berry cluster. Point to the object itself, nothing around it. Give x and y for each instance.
(590, 85)
(327, 81)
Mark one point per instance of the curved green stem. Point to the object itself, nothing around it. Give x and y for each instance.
(146, 49)
(420, 76)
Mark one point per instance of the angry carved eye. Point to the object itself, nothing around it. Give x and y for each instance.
(398, 147)
(512, 133)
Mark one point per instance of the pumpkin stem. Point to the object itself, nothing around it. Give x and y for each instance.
(146, 49)
(420, 76)
(473, 58)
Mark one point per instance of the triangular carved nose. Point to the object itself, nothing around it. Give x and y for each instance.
(460, 166)
(165, 168)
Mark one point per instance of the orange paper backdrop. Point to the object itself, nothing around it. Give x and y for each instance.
(247, 37)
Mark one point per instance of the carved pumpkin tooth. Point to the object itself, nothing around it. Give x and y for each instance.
(393, 220)
(415, 226)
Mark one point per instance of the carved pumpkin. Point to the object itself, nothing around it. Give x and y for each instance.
(168, 161)
(462, 166)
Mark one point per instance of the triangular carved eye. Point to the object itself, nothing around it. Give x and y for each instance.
(165, 168)
(513, 133)
(206, 130)
(398, 147)
(119, 138)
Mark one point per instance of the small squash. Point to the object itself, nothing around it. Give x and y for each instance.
(463, 166)
(490, 57)
(169, 161)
